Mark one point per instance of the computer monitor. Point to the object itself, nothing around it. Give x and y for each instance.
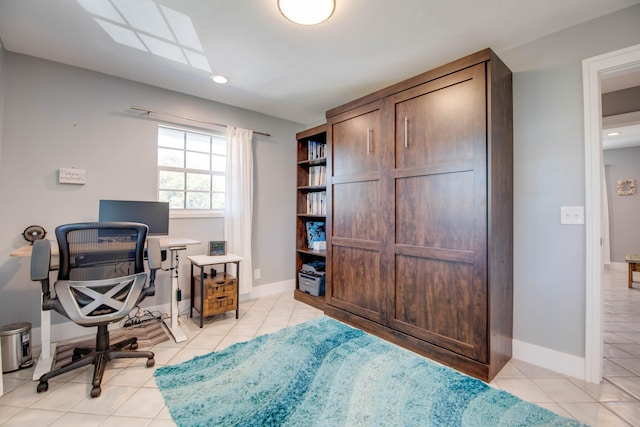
(154, 214)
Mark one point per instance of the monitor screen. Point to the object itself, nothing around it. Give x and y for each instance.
(154, 214)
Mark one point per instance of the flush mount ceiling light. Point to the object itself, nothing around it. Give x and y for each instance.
(219, 79)
(307, 12)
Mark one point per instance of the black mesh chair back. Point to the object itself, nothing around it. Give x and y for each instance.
(100, 250)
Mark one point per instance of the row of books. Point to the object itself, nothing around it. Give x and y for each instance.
(316, 203)
(317, 175)
(316, 150)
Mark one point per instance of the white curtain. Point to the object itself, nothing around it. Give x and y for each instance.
(239, 201)
(606, 245)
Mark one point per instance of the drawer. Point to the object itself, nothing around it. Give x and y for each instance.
(221, 304)
(220, 294)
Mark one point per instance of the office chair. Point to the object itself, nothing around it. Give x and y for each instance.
(101, 278)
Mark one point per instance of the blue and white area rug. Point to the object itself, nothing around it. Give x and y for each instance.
(325, 373)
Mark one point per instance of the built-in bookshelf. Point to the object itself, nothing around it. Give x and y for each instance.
(311, 208)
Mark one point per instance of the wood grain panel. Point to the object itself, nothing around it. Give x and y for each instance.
(442, 302)
(441, 121)
(356, 144)
(500, 257)
(356, 281)
(353, 216)
(436, 211)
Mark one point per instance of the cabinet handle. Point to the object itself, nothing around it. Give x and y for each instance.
(406, 131)
(369, 134)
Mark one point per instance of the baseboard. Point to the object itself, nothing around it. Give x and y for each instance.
(269, 289)
(557, 361)
(68, 330)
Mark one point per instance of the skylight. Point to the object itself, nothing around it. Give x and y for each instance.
(145, 26)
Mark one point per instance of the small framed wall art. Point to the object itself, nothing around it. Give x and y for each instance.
(626, 187)
(217, 248)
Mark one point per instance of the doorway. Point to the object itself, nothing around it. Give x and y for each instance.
(593, 70)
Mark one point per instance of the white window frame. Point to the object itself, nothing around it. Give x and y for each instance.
(189, 213)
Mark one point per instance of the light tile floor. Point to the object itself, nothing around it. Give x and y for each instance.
(616, 400)
(130, 396)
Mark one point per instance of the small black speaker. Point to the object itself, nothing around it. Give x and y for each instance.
(33, 233)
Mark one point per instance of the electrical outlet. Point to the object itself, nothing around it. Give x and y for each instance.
(256, 273)
(572, 215)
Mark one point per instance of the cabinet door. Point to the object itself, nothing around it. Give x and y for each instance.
(439, 291)
(356, 143)
(353, 244)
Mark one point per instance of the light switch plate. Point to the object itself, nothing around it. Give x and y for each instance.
(572, 215)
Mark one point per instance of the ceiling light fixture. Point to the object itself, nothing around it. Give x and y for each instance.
(219, 79)
(307, 12)
(613, 134)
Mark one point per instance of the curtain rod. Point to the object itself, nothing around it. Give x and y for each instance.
(150, 111)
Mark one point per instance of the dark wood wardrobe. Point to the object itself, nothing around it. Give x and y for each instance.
(420, 214)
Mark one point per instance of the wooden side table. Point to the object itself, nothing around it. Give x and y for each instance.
(634, 265)
(225, 282)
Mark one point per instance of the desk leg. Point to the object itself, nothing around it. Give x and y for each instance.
(191, 287)
(237, 289)
(172, 322)
(48, 351)
(201, 296)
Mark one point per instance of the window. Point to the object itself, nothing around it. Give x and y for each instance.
(191, 169)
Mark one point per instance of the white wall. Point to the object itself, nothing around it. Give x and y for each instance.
(622, 163)
(61, 116)
(2, 54)
(549, 258)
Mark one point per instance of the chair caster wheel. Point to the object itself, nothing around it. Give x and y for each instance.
(42, 387)
(150, 363)
(134, 346)
(95, 391)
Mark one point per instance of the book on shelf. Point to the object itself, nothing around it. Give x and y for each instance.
(316, 203)
(316, 150)
(315, 232)
(317, 175)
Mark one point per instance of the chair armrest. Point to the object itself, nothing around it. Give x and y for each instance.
(154, 255)
(40, 266)
(40, 260)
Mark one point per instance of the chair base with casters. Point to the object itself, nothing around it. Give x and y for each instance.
(103, 353)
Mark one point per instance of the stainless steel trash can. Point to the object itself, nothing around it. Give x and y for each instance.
(15, 340)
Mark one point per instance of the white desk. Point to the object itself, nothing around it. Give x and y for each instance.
(172, 244)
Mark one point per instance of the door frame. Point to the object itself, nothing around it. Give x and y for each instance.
(592, 71)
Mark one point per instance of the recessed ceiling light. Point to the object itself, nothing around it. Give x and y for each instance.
(613, 133)
(308, 12)
(219, 79)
